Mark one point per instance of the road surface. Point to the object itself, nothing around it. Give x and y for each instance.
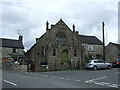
(62, 79)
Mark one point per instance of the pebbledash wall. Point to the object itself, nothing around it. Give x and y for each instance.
(96, 50)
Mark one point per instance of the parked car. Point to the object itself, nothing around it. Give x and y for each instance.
(116, 63)
(97, 64)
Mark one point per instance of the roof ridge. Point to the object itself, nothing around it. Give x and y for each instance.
(9, 39)
(87, 35)
(11, 43)
(89, 39)
(115, 43)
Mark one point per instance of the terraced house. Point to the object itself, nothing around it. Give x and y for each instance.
(11, 50)
(61, 48)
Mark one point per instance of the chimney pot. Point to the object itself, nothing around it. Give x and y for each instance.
(47, 25)
(73, 28)
(77, 32)
(20, 38)
(37, 39)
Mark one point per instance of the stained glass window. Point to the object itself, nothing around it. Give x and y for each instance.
(60, 38)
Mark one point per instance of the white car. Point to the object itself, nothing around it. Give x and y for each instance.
(97, 64)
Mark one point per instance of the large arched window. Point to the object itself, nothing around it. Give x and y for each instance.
(60, 38)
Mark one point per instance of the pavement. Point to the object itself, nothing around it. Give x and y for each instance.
(62, 79)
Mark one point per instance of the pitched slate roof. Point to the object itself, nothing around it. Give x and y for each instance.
(16, 55)
(116, 45)
(89, 40)
(10, 43)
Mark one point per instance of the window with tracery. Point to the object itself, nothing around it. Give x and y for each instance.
(54, 52)
(75, 52)
(60, 38)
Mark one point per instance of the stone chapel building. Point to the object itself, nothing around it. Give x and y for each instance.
(58, 49)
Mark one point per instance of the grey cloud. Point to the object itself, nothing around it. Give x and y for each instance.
(86, 16)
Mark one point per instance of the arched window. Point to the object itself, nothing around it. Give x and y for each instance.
(60, 38)
(75, 52)
(54, 52)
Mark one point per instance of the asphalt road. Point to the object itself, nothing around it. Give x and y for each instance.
(62, 79)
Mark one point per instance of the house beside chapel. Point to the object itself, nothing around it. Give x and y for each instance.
(92, 47)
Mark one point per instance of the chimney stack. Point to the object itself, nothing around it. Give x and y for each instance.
(47, 26)
(37, 39)
(20, 38)
(77, 32)
(73, 28)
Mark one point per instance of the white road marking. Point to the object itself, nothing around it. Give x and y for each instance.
(90, 81)
(116, 85)
(93, 80)
(53, 76)
(113, 86)
(104, 83)
(61, 78)
(100, 78)
(99, 83)
(67, 79)
(87, 81)
(10, 82)
(45, 75)
(117, 73)
(77, 80)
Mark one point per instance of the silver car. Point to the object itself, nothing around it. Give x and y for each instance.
(97, 64)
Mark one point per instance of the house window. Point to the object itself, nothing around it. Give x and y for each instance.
(15, 50)
(54, 52)
(98, 56)
(75, 52)
(42, 52)
(90, 48)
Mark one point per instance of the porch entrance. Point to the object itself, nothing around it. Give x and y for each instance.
(65, 57)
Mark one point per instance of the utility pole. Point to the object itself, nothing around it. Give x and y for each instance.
(103, 41)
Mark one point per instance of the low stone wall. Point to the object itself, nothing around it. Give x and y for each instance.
(22, 68)
(15, 67)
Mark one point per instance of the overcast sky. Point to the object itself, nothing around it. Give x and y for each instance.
(29, 18)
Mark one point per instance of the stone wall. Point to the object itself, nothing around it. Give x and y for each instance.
(15, 67)
(111, 53)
